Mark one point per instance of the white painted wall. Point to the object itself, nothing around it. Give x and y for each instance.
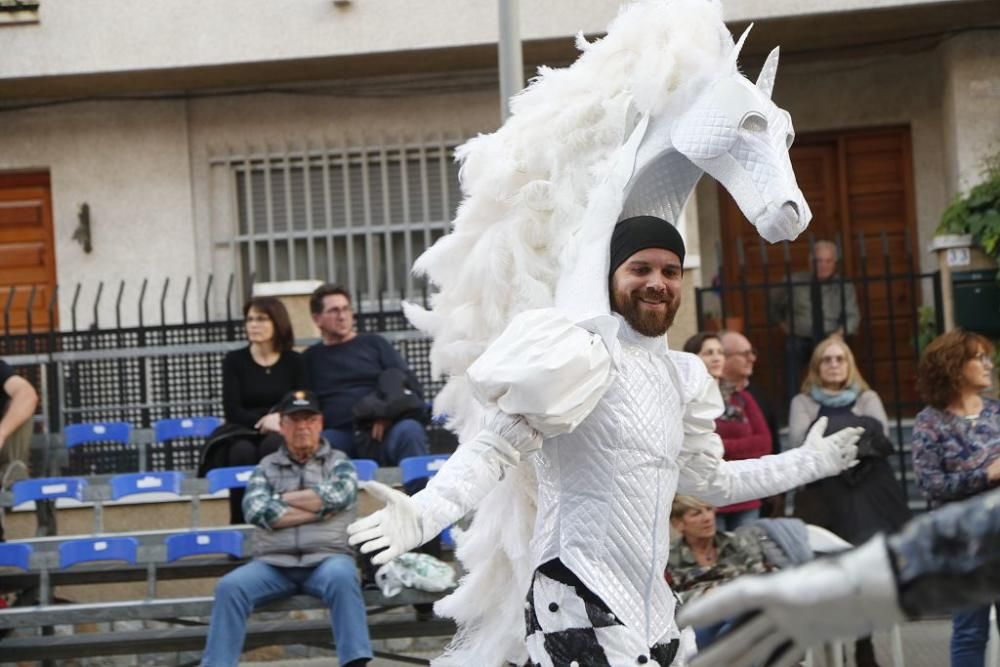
(971, 107)
(114, 36)
(159, 209)
(129, 161)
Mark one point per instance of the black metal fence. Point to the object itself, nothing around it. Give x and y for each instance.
(899, 308)
(147, 372)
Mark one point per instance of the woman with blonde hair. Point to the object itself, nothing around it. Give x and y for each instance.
(956, 450)
(863, 500)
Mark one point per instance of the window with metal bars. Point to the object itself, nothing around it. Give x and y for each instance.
(356, 217)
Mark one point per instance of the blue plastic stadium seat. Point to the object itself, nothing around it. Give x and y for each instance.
(204, 542)
(81, 434)
(228, 478)
(366, 469)
(97, 549)
(15, 555)
(415, 467)
(48, 488)
(184, 427)
(129, 484)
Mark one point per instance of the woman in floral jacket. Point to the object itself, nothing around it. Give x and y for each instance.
(956, 450)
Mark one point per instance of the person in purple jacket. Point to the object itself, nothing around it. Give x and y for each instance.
(956, 450)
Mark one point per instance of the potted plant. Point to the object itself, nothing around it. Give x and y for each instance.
(974, 219)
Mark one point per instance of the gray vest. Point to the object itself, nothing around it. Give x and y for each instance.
(309, 544)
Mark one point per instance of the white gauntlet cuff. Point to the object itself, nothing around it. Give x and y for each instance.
(473, 470)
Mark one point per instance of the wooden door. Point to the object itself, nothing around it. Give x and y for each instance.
(27, 255)
(859, 186)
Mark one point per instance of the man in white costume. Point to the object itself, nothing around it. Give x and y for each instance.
(617, 423)
(555, 289)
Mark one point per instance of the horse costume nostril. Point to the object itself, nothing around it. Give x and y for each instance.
(791, 205)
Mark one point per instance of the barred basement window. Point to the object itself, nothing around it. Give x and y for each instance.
(357, 217)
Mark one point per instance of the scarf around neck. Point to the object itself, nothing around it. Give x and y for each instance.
(840, 399)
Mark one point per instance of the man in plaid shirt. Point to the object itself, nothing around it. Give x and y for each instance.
(301, 499)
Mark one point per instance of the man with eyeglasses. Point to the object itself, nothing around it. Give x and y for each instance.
(345, 368)
(736, 389)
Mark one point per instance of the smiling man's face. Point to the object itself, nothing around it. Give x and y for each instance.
(646, 290)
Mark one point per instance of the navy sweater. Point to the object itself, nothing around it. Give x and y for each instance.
(342, 374)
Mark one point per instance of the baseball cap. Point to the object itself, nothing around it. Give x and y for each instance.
(300, 400)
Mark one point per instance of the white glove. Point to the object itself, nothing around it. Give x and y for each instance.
(469, 474)
(397, 526)
(704, 474)
(847, 596)
(834, 453)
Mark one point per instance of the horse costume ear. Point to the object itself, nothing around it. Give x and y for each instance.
(735, 53)
(765, 82)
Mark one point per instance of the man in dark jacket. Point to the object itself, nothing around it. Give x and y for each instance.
(301, 499)
(345, 368)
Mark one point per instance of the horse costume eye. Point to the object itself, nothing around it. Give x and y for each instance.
(754, 122)
(789, 139)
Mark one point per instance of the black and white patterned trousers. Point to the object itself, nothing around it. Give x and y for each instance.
(569, 626)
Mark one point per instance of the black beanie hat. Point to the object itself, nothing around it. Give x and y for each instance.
(644, 231)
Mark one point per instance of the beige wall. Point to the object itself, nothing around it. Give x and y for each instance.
(110, 36)
(129, 161)
(160, 210)
(107, 36)
(971, 107)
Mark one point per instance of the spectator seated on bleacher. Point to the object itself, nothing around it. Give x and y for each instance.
(254, 379)
(301, 499)
(372, 401)
(705, 557)
(345, 368)
(17, 405)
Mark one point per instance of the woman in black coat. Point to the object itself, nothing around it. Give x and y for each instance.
(254, 379)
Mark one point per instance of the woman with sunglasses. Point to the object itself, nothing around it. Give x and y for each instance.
(863, 500)
(254, 379)
(956, 450)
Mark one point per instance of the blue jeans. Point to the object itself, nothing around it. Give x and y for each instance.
(405, 438)
(730, 521)
(970, 630)
(335, 581)
(704, 637)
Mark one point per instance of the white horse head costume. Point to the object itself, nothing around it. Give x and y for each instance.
(628, 129)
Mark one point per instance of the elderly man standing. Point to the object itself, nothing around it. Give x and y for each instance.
(345, 368)
(301, 499)
(744, 426)
(818, 305)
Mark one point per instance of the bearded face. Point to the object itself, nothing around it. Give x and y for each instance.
(646, 290)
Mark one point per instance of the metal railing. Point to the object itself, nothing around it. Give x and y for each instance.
(900, 311)
(140, 374)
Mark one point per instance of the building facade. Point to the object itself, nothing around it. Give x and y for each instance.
(201, 145)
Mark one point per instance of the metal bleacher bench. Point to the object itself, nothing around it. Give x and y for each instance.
(146, 557)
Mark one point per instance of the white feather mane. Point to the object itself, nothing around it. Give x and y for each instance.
(525, 188)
